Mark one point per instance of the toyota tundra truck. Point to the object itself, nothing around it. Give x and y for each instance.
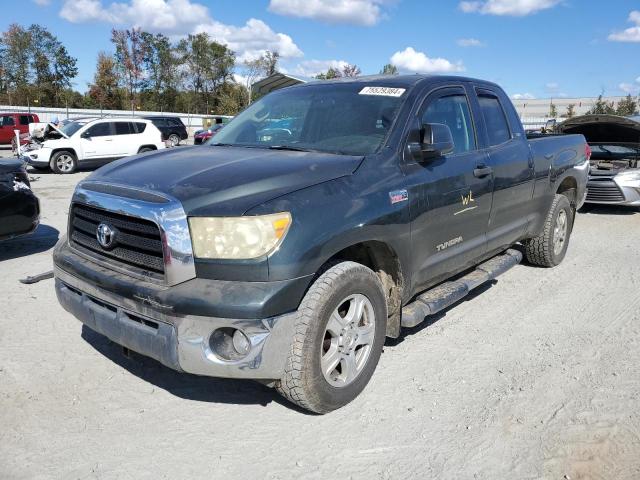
(323, 218)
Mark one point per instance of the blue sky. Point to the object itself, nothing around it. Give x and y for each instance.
(533, 48)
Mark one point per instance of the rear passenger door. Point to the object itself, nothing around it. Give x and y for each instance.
(451, 196)
(512, 164)
(127, 140)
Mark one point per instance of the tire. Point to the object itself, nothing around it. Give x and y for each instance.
(63, 162)
(310, 379)
(550, 248)
(174, 140)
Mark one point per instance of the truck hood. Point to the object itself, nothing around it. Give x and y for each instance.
(225, 181)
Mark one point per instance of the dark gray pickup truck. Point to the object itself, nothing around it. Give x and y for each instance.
(324, 218)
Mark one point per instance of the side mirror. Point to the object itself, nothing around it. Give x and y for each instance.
(435, 141)
(85, 134)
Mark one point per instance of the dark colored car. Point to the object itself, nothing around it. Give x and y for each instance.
(172, 128)
(289, 258)
(19, 207)
(202, 136)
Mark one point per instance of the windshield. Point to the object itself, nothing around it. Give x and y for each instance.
(349, 118)
(72, 127)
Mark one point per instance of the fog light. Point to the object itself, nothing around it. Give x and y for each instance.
(241, 343)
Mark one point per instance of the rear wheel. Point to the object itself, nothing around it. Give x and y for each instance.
(339, 333)
(550, 248)
(174, 140)
(63, 162)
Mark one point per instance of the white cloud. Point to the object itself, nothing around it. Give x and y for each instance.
(179, 17)
(311, 68)
(523, 96)
(516, 8)
(356, 12)
(470, 42)
(629, 88)
(413, 61)
(631, 34)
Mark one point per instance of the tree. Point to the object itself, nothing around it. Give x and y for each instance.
(270, 62)
(17, 48)
(129, 57)
(553, 110)
(104, 91)
(627, 107)
(331, 73)
(601, 107)
(389, 69)
(351, 70)
(571, 110)
(161, 66)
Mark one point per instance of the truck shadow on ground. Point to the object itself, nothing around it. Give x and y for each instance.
(43, 239)
(184, 385)
(608, 210)
(432, 319)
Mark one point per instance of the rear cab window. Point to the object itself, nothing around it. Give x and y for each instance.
(495, 119)
(25, 119)
(7, 121)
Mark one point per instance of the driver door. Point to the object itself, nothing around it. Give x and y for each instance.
(99, 141)
(453, 192)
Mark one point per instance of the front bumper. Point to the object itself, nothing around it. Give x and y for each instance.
(613, 190)
(167, 324)
(179, 342)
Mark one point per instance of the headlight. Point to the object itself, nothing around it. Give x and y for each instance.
(238, 237)
(629, 176)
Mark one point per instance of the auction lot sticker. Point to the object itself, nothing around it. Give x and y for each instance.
(382, 91)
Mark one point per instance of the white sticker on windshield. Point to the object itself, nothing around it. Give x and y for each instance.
(382, 91)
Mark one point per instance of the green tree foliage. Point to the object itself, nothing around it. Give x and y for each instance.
(129, 57)
(553, 110)
(627, 106)
(602, 107)
(571, 111)
(389, 69)
(104, 92)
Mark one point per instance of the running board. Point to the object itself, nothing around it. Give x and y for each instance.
(448, 293)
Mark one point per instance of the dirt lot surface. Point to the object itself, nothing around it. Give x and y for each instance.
(536, 376)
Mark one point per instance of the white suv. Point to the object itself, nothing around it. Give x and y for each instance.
(90, 142)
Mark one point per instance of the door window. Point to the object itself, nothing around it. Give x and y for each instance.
(124, 128)
(494, 119)
(139, 126)
(25, 119)
(100, 130)
(7, 121)
(453, 111)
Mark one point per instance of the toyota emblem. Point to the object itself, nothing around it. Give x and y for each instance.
(106, 235)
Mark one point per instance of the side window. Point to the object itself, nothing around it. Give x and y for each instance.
(494, 119)
(124, 128)
(160, 122)
(25, 119)
(175, 122)
(140, 126)
(453, 111)
(100, 130)
(7, 121)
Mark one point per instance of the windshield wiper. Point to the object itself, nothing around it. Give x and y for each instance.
(288, 147)
(222, 145)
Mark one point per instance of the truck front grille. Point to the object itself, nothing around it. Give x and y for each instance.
(137, 242)
(603, 190)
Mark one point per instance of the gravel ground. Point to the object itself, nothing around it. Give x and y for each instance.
(536, 376)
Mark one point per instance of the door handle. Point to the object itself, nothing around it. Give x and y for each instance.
(108, 139)
(482, 171)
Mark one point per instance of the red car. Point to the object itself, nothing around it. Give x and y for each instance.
(201, 136)
(15, 121)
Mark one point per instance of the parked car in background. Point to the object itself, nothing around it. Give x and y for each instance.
(614, 176)
(9, 122)
(19, 207)
(89, 142)
(172, 128)
(202, 136)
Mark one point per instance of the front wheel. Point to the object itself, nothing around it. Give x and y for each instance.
(549, 249)
(339, 333)
(63, 162)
